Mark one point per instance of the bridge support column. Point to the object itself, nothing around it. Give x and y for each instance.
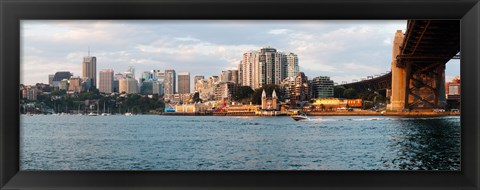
(397, 97)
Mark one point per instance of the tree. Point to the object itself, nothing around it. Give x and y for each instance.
(242, 93)
(338, 91)
(350, 93)
(257, 95)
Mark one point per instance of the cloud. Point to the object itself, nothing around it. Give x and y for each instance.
(279, 31)
(343, 50)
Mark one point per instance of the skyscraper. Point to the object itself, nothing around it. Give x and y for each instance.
(106, 81)
(170, 82)
(184, 83)
(90, 69)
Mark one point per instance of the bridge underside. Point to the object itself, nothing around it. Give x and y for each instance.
(427, 46)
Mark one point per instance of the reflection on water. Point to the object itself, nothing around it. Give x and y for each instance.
(150, 142)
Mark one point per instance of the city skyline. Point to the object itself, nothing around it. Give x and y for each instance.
(192, 46)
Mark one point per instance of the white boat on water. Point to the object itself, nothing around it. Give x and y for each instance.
(128, 114)
(92, 114)
(105, 114)
(299, 117)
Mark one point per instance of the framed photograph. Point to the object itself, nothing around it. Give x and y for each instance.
(259, 95)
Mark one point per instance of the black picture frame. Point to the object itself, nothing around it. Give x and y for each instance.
(12, 11)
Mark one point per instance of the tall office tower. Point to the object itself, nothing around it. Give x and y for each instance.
(106, 81)
(128, 85)
(292, 65)
(170, 82)
(248, 71)
(90, 69)
(240, 74)
(50, 80)
(184, 83)
(322, 87)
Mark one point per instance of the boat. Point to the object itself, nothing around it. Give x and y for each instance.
(299, 117)
(92, 114)
(105, 114)
(128, 114)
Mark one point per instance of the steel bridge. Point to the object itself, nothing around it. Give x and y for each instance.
(417, 79)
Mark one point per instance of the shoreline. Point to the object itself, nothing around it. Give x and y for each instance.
(361, 113)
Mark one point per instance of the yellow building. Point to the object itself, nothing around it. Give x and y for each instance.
(243, 108)
(191, 108)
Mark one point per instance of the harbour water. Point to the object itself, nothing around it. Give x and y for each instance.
(153, 142)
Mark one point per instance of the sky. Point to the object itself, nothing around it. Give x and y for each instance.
(342, 50)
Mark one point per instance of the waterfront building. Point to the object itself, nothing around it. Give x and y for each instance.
(332, 104)
(89, 70)
(63, 85)
(170, 82)
(452, 89)
(106, 81)
(184, 83)
(59, 76)
(191, 108)
(299, 92)
(75, 85)
(322, 87)
(50, 79)
(128, 85)
(269, 103)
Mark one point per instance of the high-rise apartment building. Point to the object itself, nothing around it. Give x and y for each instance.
(265, 66)
(184, 83)
(90, 69)
(106, 81)
(170, 82)
(292, 65)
